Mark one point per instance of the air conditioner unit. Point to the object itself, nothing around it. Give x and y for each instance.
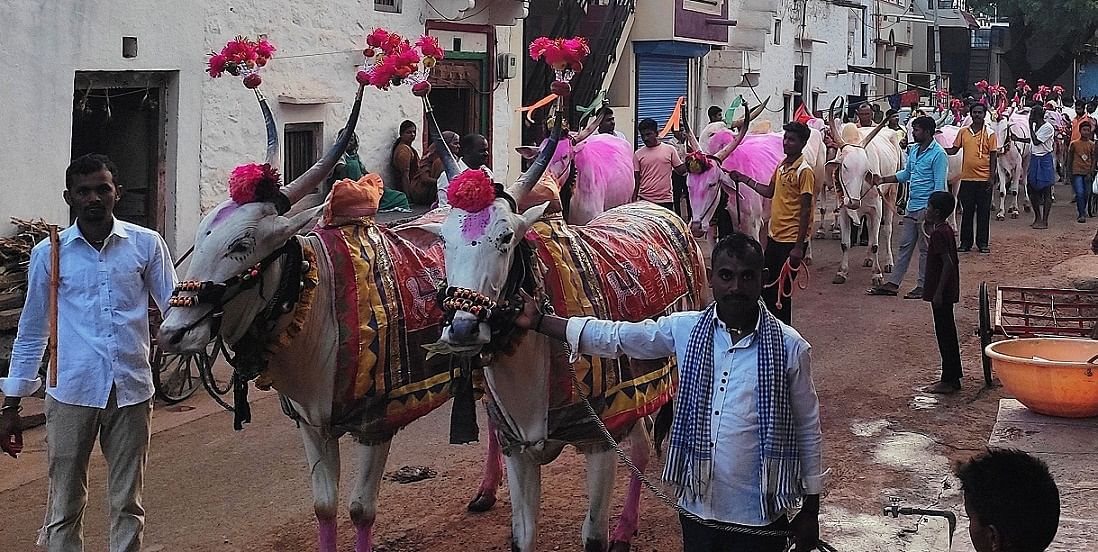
(506, 66)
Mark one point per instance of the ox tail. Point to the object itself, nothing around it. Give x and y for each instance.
(662, 428)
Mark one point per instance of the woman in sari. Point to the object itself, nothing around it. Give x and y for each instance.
(411, 177)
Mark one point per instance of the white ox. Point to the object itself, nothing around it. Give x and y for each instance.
(603, 168)
(483, 256)
(234, 240)
(1015, 149)
(864, 153)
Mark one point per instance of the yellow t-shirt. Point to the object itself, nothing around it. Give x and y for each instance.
(976, 151)
(790, 182)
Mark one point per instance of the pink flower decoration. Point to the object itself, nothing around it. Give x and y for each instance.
(561, 53)
(253, 182)
(241, 56)
(982, 86)
(378, 38)
(428, 45)
(698, 162)
(216, 66)
(471, 191)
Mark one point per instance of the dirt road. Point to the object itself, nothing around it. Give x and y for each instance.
(210, 489)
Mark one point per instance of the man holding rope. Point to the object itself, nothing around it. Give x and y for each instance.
(108, 270)
(746, 446)
(790, 191)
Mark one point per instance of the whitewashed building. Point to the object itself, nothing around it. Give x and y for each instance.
(128, 79)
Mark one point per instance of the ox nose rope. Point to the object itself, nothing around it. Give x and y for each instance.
(669, 501)
(790, 279)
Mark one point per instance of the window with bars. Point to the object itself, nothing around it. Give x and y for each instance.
(302, 149)
(391, 6)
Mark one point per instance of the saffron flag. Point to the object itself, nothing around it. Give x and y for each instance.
(802, 115)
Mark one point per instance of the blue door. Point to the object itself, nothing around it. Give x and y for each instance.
(660, 82)
(1087, 81)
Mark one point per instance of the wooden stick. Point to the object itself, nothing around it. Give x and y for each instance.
(55, 281)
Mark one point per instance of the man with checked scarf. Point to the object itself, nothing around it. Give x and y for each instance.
(746, 446)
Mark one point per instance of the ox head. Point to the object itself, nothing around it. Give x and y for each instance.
(705, 177)
(239, 245)
(481, 235)
(564, 156)
(851, 162)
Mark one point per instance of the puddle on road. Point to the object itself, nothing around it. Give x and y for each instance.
(923, 402)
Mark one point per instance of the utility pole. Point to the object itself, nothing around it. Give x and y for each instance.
(937, 48)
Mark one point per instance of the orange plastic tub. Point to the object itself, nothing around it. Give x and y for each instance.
(1049, 375)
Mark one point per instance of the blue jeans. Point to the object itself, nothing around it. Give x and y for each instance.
(911, 237)
(1079, 183)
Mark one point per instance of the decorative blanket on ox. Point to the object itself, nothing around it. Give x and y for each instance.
(384, 301)
(633, 262)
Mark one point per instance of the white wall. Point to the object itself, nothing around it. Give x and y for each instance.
(232, 130)
(42, 46)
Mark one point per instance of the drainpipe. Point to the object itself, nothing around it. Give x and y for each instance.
(937, 48)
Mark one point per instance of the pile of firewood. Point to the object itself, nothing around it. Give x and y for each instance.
(14, 258)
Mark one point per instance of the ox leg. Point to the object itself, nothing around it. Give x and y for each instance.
(364, 496)
(493, 474)
(640, 450)
(601, 468)
(322, 454)
(885, 240)
(524, 486)
(1000, 213)
(844, 245)
(874, 248)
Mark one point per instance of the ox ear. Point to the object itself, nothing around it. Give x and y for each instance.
(531, 215)
(288, 226)
(528, 152)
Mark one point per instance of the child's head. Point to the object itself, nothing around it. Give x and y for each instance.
(1086, 130)
(940, 206)
(1011, 501)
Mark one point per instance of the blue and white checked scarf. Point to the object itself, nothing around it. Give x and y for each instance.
(690, 454)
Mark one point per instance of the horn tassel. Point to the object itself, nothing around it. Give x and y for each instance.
(312, 178)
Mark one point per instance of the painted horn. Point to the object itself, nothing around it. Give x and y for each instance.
(589, 129)
(272, 129)
(750, 115)
(442, 149)
(310, 179)
(529, 178)
(727, 150)
(873, 134)
(837, 103)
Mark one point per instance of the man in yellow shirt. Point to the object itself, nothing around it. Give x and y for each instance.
(979, 149)
(790, 191)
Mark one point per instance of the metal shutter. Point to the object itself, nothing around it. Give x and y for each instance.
(660, 82)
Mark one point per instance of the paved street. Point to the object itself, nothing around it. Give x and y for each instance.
(210, 489)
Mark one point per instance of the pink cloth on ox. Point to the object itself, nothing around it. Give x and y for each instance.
(605, 161)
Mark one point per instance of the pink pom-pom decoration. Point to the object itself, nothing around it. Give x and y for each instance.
(560, 53)
(982, 85)
(471, 191)
(253, 182)
(698, 162)
(241, 57)
(398, 60)
(428, 46)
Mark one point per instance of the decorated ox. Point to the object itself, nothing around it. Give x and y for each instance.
(632, 262)
(334, 320)
(1012, 132)
(864, 153)
(603, 169)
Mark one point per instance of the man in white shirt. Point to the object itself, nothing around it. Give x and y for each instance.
(608, 125)
(472, 154)
(716, 124)
(1042, 166)
(109, 268)
(746, 446)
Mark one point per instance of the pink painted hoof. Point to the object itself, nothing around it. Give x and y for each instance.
(481, 503)
(620, 546)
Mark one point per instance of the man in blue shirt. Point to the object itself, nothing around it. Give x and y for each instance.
(926, 171)
(108, 270)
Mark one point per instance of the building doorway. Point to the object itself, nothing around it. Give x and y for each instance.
(121, 115)
(459, 94)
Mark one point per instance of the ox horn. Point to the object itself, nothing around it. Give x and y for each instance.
(727, 150)
(529, 178)
(272, 129)
(589, 129)
(310, 179)
(838, 103)
(750, 115)
(442, 149)
(872, 135)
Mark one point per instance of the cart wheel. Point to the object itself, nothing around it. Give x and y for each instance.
(176, 376)
(985, 331)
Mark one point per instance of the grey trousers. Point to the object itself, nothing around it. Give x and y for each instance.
(911, 237)
(124, 438)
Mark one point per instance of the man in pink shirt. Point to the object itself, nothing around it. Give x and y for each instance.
(653, 165)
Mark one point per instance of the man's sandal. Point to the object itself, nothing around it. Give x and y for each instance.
(878, 290)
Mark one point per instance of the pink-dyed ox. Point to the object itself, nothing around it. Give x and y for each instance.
(603, 167)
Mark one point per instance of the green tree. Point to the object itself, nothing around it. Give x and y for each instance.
(1067, 25)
